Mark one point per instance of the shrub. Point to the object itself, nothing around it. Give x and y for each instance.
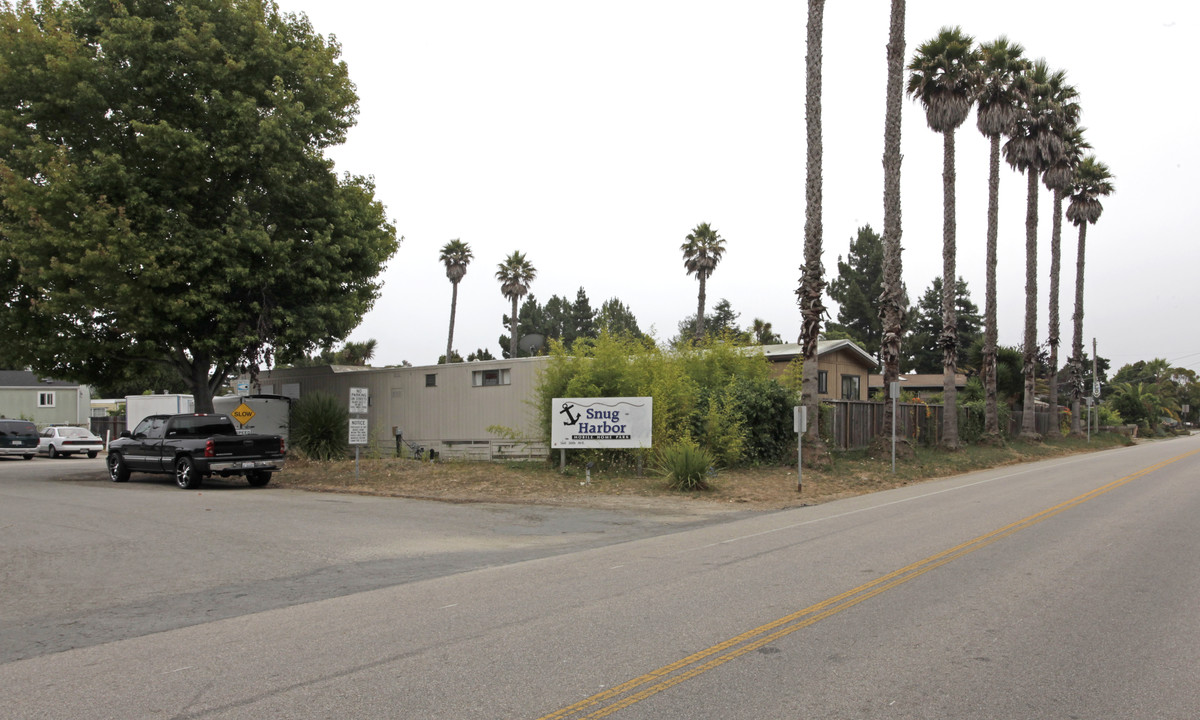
(686, 466)
(318, 427)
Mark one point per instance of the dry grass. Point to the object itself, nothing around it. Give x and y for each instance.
(763, 488)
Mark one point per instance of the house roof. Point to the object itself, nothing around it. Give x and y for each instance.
(786, 351)
(920, 381)
(26, 379)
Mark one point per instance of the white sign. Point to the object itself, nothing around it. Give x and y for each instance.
(800, 419)
(359, 401)
(620, 422)
(358, 431)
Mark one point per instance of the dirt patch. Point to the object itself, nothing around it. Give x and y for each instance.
(761, 488)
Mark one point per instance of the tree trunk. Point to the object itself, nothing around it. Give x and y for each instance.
(1077, 337)
(949, 336)
(812, 279)
(700, 308)
(991, 412)
(1052, 316)
(512, 340)
(1029, 358)
(892, 301)
(453, 309)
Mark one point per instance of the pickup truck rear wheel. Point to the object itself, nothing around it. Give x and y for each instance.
(118, 471)
(186, 476)
(258, 478)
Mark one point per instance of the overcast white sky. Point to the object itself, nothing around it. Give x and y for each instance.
(594, 136)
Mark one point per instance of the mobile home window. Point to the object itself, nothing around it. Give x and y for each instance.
(431, 380)
(488, 378)
(822, 382)
(850, 387)
(46, 399)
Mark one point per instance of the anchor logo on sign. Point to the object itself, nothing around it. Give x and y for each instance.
(572, 418)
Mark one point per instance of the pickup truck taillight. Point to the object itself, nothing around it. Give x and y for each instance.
(282, 447)
(210, 448)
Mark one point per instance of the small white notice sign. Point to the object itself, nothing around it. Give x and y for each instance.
(358, 431)
(359, 401)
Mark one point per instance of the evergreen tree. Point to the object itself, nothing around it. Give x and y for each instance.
(615, 318)
(923, 353)
(857, 289)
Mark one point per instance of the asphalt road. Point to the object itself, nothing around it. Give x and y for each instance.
(1063, 589)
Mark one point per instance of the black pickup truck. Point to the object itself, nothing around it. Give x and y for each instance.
(193, 447)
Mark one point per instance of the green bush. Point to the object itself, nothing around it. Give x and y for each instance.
(686, 466)
(318, 427)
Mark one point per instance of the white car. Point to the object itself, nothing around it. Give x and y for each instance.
(66, 440)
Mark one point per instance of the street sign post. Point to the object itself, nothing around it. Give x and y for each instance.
(800, 425)
(360, 403)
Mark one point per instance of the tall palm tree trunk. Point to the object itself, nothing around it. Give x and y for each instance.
(949, 336)
(453, 309)
(1052, 317)
(1077, 336)
(892, 301)
(991, 413)
(512, 340)
(1029, 364)
(812, 282)
(700, 310)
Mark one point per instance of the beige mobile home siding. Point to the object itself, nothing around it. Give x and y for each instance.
(451, 417)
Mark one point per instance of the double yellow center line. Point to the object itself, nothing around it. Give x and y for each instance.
(633, 691)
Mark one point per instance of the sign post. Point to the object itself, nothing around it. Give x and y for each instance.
(895, 390)
(360, 401)
(800, 425)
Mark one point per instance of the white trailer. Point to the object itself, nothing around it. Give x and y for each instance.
(267, 414)
(139, 407)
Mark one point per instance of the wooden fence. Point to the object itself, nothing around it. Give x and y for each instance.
(853, 424)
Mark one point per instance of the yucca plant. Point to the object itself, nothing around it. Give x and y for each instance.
(318, 427)
(686, 465)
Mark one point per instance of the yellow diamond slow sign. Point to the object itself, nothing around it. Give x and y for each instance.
(242, 413)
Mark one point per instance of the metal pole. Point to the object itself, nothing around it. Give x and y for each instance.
(894, 419)
(356, 449)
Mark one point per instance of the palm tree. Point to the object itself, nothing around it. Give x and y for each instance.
(1033, 147)
(812, 276)
(356, 353)
(515, 275)
(997, 95)
(701, 254)
(1092, 181)
(762, 333)
(943, 74)
(456, 255)
(1058, 179)
(892, 300)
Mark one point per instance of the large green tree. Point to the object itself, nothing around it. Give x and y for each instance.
(167, 198)
(1092, 181)
(455, 255)
(702, 252)
(943, 77)
(1034, 145)
(858, 287)
(515, 274)
(924, 352)
(1059, 178)
(997, 100)
(615, 318)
